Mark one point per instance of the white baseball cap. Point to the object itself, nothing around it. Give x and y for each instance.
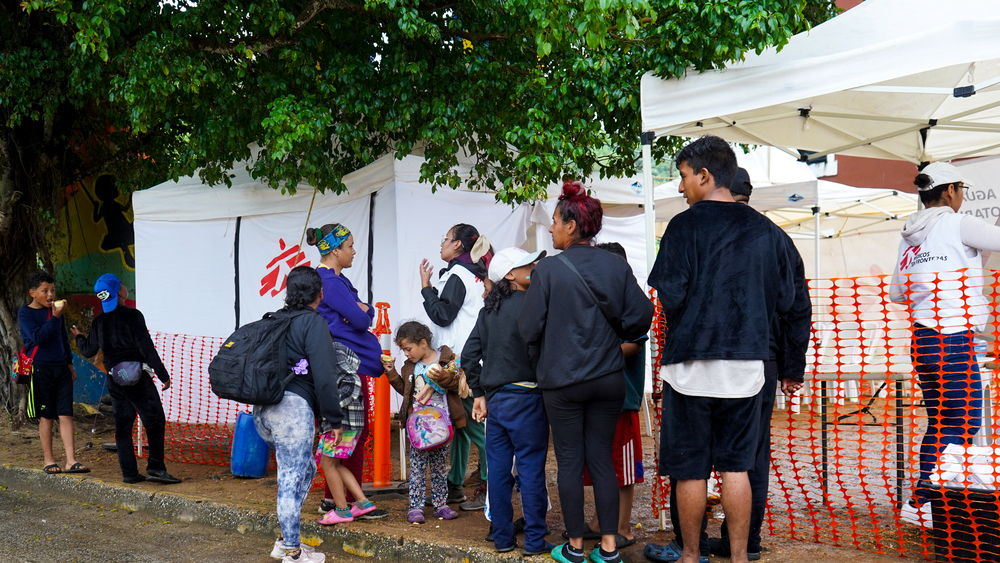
(941, 173)
(508, 259)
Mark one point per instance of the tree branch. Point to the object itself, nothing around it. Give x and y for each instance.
(262, 46)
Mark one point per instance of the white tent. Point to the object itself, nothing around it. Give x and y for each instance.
(189, 234)
(914, 80)
(211, 258)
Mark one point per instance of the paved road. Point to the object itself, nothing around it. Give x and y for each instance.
(37, 526)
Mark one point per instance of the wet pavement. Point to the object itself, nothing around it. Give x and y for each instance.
(42, 526)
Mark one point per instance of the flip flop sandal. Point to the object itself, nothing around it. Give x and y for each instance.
(52, 469)
(621, 542)
(78, 468)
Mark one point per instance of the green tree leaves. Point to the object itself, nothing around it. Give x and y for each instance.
(532, 89)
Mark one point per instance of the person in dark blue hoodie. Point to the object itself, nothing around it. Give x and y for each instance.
(349, 319)
(502, 379)
(43, 332)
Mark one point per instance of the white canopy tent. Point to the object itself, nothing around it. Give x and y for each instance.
(913, 80)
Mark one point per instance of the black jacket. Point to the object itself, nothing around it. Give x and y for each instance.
(564, 327)
(123, 337)
(728, 278)
(495, 354)
(309, 337)
(443, 309)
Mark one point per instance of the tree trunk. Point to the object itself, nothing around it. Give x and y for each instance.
(25, 199)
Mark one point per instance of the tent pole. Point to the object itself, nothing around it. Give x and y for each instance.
(649, 214)
(816, 219)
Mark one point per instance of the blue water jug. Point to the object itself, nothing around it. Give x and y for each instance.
(250, 452)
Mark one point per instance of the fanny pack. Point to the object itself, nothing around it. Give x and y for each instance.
(126, 373)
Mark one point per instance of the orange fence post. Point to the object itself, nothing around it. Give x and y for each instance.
(381, 434)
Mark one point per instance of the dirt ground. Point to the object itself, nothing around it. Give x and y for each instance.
(21, 448)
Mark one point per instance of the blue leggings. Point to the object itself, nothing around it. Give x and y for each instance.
(952, 388)
(290, 426)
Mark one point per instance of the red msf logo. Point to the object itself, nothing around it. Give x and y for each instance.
(291, 257)
(908, 255)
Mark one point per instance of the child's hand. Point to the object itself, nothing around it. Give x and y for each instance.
(388, 363)
(425, 394)
(337, 435)
(479, 411)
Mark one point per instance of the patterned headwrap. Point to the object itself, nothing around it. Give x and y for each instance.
(333, 239)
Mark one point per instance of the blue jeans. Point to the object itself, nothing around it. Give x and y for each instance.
(290, 427)
(949, 380)
(518, 430)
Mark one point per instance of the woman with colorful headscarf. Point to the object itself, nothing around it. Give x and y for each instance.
(349, 320)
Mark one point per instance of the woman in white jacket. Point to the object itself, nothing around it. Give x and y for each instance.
(939, 276)
(453, 306)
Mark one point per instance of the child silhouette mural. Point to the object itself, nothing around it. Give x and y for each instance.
(120, 234)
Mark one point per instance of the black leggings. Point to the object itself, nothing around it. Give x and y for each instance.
(141, 398)
(583, 417)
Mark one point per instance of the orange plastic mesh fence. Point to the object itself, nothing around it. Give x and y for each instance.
(846, 452)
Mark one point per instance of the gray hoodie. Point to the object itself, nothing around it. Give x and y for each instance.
(920, 224)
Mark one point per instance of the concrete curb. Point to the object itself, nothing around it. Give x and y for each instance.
(183, 508)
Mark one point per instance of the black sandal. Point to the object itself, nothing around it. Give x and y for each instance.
(78, 468)
(52, 469)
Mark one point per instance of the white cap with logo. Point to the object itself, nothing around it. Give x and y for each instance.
(941, 173)
(508, 259)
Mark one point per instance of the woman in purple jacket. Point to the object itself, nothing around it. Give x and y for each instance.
(349, 320)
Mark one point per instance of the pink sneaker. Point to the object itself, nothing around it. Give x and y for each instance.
(445, 513)
(332, 517)
(362, 510)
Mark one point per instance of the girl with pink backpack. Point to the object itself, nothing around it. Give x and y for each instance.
(429, 382)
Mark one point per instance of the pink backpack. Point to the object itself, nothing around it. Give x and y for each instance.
(429, 427)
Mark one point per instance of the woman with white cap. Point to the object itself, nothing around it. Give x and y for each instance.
(938, 275)
(502, 379)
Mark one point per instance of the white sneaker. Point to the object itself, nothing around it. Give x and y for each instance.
(919, 516)
(305, 557)
(278, 552)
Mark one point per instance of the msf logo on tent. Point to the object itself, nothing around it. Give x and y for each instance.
(277, 269)
(909, 254)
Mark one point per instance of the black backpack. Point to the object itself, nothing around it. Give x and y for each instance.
(252, 366)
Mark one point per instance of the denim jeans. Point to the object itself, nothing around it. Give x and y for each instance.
(290, 426)
(952, 388)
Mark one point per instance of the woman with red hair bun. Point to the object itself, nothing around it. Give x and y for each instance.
(580, 306)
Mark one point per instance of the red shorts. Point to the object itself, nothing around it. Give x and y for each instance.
(626, 451)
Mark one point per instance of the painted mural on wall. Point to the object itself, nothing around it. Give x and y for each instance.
(94, 236)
